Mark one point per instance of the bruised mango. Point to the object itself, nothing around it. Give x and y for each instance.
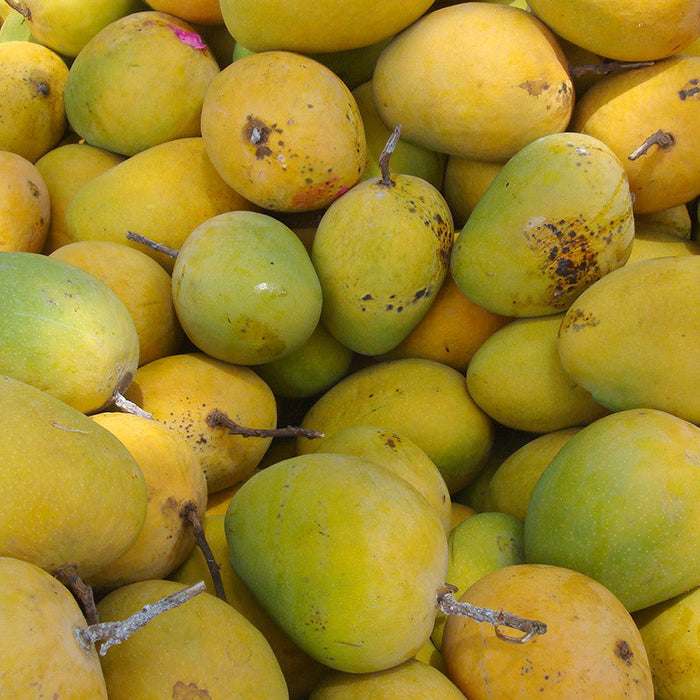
(631, 338)
(556, 217)
(139, 82)
(284, 131)
(344, 555)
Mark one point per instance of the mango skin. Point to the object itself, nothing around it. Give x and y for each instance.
(612, 343)
(139, 82)
(59, 467)
(620, 502)
(353, 584)
(381, 253)
(423, 400)
(455, 79)
(64, 331)
(39, 651)
(556, 217)
(284, 131)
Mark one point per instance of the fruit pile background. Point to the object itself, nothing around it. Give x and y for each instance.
(392, 304)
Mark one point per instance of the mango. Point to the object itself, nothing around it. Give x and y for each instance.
(40, 654)
(32, 82)
(207, 12)
(163, 193)
(328, 25)
(381, 253)
(180, 391)
(465, 182)
(64, 169)
(557, 217)
(202, 648)
(625, 109)
(139, 82)
(284, 131)
(71, 491)
(457, 76)
(15, 27)
(25, 208)
(622, 354)
(624, 30)
(411, 680)
(64, 331)
(301, 672)
(591, 648)
(344, 555)
(244, 289)
(423, 400)
(517, 378)
(619, 502)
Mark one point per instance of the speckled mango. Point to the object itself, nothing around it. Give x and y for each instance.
(556, 217)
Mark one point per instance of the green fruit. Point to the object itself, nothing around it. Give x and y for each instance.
(139, 82)
(620, 503)
(381, 252)
(70, 490)
(344, 555)
(64, 331)
(423, 400)
(631, 339)
(556, 217)
(244, 288)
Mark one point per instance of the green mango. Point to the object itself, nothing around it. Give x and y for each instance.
(16, 28)
(422, 400)
(244, 288)
(343, 554)
(382, 252)
(64, 331)
(139, 82)
(620, 502)
(631, 339)
(70, 490)
(556, 218)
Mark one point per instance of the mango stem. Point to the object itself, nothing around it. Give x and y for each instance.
(218, 419)
(82, 592)
(385, 156)
(150, 243)
(21, 8)
(660, 138)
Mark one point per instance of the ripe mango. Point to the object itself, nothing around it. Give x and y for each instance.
(71, 491)
(475, 79)
(612, 341)
(423, 400)
(139, 82)
(40, 655)
(344, 555)
(64, 331)
(620, 502)
(556, 217)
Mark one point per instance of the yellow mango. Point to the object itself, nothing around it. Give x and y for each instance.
(32, 83)
(423, 400)
(625, 30)
(182, 390)
(197, 11)
(174, 478)
(40, 655)
(591, 649)
(327, 25)
(466, 180)
(613, 343)
(475, 79)
(284, 131)
(25, 207)
(162, 193)
(626, 108)
(64, 169)
(516, 377)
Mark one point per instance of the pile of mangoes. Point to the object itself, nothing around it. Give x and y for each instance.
(380, 319)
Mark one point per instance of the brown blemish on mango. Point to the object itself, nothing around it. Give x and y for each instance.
(189, 691)
(257, 133)
(535, 87)
(577, 320)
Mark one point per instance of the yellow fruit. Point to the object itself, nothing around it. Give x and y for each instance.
(25, 208)
(591, 649)
(41, 658)
(32, 83)
(142, 285)
(174, 479)
(476, 79)
(197, 11)
(284, 131)
(466, 180)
